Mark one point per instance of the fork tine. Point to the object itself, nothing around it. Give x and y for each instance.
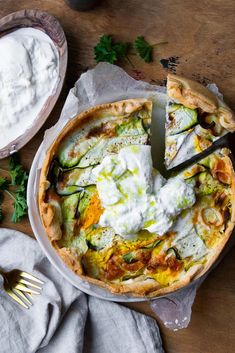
(29, 276)
(23, 296)
(29, 283)
(16, 298)
(23, 288)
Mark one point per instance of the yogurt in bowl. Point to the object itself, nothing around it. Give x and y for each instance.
(29, 64)
(33, 65)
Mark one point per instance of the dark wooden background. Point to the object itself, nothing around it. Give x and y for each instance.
(201, 45)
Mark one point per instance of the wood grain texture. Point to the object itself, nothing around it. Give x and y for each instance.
(201, 39)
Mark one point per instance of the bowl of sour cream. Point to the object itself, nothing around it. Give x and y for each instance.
(33, 64)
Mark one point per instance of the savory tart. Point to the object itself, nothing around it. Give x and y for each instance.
(195, 119)
(115, 221)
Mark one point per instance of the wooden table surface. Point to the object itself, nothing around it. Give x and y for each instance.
(201, 45)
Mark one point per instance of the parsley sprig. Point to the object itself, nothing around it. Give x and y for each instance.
(110, 51)
(144, 49)
(14, 185)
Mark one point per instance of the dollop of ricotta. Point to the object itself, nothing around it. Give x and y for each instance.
(28, 73)
(135, 196)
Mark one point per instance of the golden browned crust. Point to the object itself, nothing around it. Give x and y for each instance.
(141, 288)
(70, 258)
(230, 226)
(194, 95)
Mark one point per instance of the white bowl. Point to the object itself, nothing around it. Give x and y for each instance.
(50, 25)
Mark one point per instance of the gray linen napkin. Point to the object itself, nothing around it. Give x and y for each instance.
(64, 319)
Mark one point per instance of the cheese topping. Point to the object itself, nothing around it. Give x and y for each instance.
(134, 196)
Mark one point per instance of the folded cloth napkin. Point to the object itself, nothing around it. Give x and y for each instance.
(64, 319)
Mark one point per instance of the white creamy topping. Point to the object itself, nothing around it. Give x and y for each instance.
(158, 181)
(134, 195)
(124, 183)
(176, 196)
(28, 74)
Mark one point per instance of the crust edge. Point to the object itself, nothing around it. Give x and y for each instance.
(194, 95)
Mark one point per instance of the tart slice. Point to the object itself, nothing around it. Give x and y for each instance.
(196, 118)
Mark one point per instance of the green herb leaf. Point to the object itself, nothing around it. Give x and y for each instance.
(17, 172)
(20, 204)
(121, 50)
(16, 188)
(4, 183)
(107, 50)
(144, 49)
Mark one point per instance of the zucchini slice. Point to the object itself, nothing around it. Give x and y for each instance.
(73, 180)
(174, 252)
(85, 199)
(70, 215)
(110, 145)
(70, 207)
(182, 119)
(64, 190)
(72, 149)
(153, 245)
(206, 184)
(99, 238)
(131, 127)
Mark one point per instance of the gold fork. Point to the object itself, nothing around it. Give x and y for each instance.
(20, 285)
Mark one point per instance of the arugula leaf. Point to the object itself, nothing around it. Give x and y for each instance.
(17, 172)
(107, 50)
(144, 49)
